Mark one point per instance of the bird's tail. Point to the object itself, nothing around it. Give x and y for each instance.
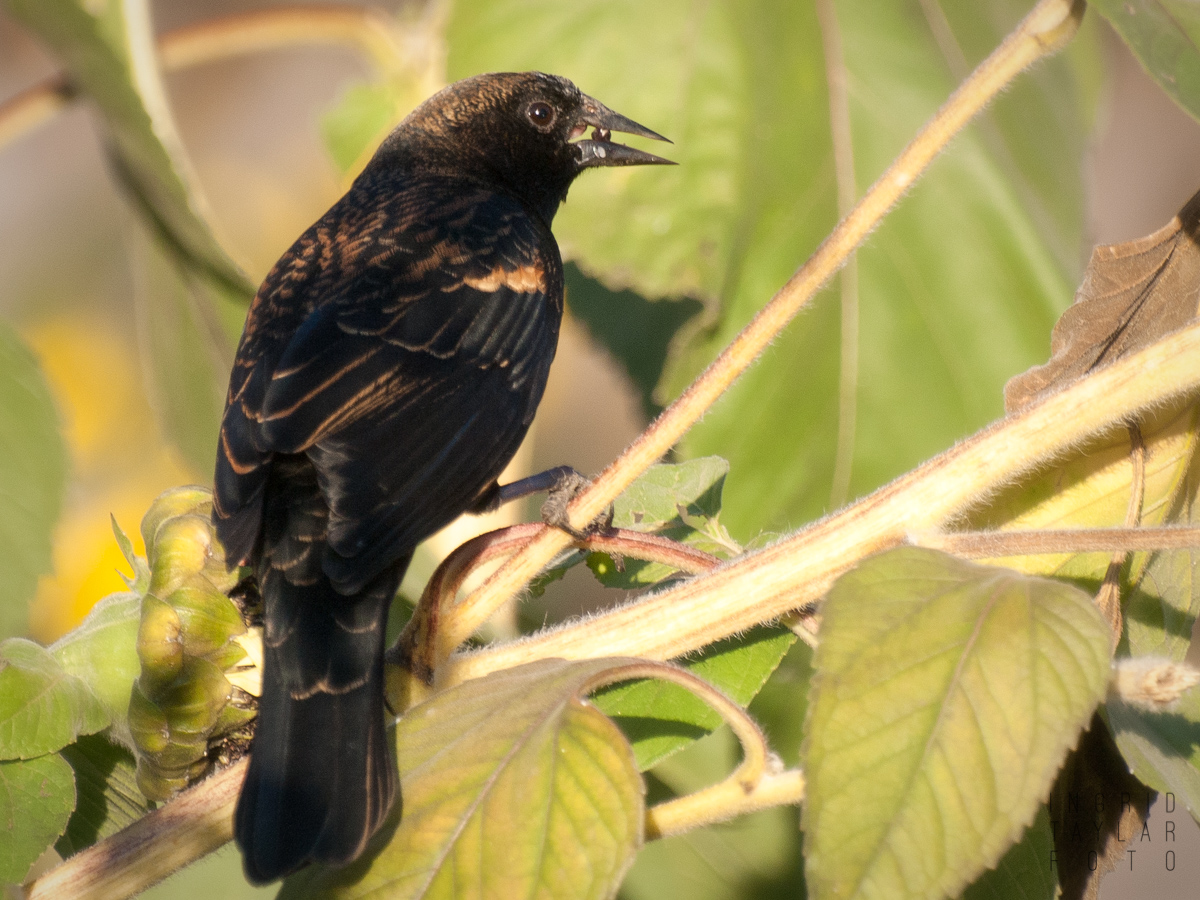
(322, 775)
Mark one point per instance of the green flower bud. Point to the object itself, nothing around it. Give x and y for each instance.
(209, 619)
(147, 724)
(159, 644)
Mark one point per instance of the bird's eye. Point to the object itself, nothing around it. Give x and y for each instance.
(540, 114)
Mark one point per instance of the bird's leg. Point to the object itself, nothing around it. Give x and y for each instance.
(562, 485)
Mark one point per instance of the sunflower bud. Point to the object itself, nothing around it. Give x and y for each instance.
(180, 706)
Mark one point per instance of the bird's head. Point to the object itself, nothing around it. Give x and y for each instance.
(520, 130)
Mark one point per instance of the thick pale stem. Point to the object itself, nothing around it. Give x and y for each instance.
(1044, 30)
(797, 571)
(192, 825)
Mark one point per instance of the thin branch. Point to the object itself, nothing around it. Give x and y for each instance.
(797, 571)
(192, 825)
(364, 28)
(1050, 25)
(847, 191)
(727, 798)
(998, 544)
(33, 107)
(474, 610)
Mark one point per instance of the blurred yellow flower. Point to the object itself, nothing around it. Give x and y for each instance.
(120, 463)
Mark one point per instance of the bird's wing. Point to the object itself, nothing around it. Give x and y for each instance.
(403, 347)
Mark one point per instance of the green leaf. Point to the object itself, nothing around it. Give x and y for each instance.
(42, 707)
(932, 364)
(141, 571)
(659, 717)
(1162, 749)
(959, 288)
(33, 471)
(1165, 37)
(512, 787)
(102, 651)
(1026, 871)
(108, 795)
(676, 68)
(191, 296)
(191, 324)
(945, 698)
(36, 799)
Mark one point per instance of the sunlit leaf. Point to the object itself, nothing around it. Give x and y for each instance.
(512, 786)
(1092, 490)
(107, 791)
(36, 799)
(1165, 37)
(33, 470)
(1162, 605)
(42, 707)
(946, 696)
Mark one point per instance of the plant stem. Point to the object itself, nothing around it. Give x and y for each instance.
(847, 190)
(736, 793)
(997, 544)
(798, 570)
(1051, 24)
(364, 28)
(722, 802)
(192, 825)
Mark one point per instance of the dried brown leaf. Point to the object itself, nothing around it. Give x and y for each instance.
(1132, 294)
(1096, 809)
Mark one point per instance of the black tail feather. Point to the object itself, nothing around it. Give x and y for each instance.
(322, 774)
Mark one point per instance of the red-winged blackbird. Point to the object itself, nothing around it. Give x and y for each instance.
(390, 365)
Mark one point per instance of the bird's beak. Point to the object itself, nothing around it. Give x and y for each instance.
(599, 150)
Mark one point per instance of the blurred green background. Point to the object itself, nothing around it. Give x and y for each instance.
(112, 367)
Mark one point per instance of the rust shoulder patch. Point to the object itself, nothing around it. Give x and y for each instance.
(523, 279)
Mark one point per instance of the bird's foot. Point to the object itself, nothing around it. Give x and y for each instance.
(569, 485)
(562, 485)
